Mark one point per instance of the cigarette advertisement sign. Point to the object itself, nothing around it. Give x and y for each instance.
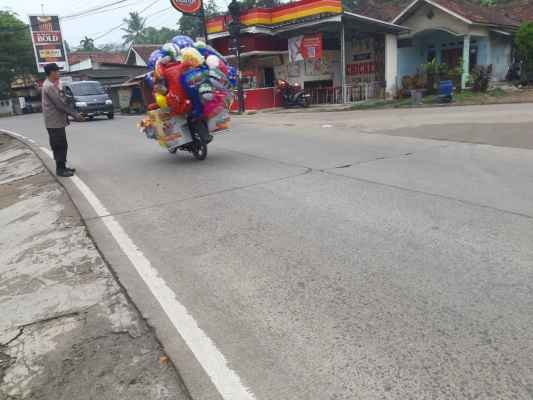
(305, 47)
(47, 41)
(187, 6)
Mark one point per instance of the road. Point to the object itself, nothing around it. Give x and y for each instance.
(350, 255)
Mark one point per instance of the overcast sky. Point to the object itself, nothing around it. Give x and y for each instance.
(160, 14)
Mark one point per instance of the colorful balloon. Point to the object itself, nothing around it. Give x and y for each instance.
(171, 52)
(182, 41)
(149, 79)
(161, 101)
(192, 57)
(212, 61)
(191, 81)
(154, 57)
(177, 97)
(232, 76)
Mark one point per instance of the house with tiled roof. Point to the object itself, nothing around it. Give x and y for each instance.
(96, 56)
(138, 54)
(457, 31)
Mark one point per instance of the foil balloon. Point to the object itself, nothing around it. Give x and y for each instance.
(177, 97)
(205, 91)
(182, 41)
(170, 52)
(191, 81)
(232, 76)
(161, 101)
(154, 57)
(212, 61)
(192, 57)
(215, 106)
(218, 79)
(212, 50)
(149, 79)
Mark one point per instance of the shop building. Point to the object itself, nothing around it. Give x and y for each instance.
(336, 56)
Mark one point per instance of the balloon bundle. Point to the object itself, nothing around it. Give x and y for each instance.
(189, 80)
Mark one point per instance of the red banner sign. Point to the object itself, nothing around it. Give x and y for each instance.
(187, 6)
(305, 47)
(312, 47)
(363, 68)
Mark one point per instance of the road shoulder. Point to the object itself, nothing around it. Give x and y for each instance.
(68, 330)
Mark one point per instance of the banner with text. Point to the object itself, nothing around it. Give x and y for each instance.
(48, 41)
(305, 47)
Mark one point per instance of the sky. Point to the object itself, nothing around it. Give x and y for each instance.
(159, 13)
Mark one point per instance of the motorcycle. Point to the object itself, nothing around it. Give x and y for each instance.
(293, 95)
(198, 141)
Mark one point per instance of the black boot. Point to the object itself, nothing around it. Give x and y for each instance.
(64, 173)
(62, 170)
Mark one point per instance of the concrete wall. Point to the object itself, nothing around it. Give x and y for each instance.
(409, 60)
(501, 53)
(306, 71)
(6, 108)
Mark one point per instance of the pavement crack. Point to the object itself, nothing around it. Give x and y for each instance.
(19, 334)
(441, 196)
(201, 196)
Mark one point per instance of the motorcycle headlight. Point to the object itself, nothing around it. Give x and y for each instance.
(81, 104)
(108, 102)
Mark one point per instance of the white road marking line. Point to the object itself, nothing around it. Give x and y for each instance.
(47, 152)
(226, 380)
(14, 134)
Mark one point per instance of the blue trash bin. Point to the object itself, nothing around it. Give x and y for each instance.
(446, 88)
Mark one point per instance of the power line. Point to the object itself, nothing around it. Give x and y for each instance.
(101, 11)
(88, 12)
(124, 23)
(93, 9)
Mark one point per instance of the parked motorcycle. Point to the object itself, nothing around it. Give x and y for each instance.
(293, 95)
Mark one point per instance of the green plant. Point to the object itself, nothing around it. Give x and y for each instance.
(524, 45)
(480, 78)
(434, 72)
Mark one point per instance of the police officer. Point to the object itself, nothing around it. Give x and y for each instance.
(56, 112)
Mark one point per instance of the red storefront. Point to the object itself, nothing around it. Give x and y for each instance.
(307, 42)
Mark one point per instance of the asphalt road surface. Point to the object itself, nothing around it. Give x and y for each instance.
(350, 255)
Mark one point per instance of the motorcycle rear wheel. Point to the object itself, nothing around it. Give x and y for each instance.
(199, 150)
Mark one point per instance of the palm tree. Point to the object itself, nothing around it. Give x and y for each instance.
(87, 44)
(135, 27)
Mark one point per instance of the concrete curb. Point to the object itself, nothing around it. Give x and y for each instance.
(169, 378)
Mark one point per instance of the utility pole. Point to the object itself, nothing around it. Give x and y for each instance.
(203, 20)
(234, 28)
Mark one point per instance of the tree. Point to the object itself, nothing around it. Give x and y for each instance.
(87, 44)
(112, 47)
(191, 25)
(135, 26)
(151, 35)
(524, 45)
(16, 51)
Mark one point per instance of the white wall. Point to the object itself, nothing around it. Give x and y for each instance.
(305, 71)
(500, 56)
(6, 108)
